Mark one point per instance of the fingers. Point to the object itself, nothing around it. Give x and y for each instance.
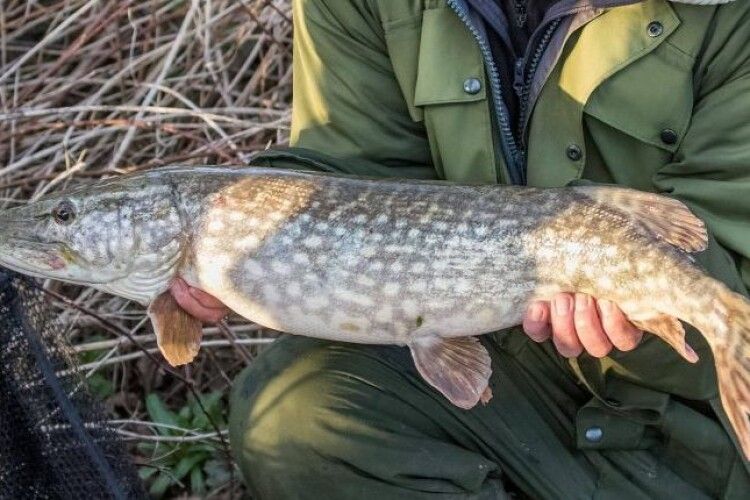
(589, 327)
(578, 322)
(206, 300)
(536, 322)
(620, 331)
(198, 303)
(564, 334)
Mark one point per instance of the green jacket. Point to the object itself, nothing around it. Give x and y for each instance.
(653, 94)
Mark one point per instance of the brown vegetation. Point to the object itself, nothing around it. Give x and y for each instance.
(91, 88)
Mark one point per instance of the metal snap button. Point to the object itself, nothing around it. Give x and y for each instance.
(594, 434)
(573, 152)
(472, 86)
(655, 28)
(669, 136)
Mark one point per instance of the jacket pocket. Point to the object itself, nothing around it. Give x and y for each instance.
(402, 38)
(449, 61)
(650, 100)
(450, 91)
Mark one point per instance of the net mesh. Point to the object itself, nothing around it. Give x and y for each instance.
(54, 439)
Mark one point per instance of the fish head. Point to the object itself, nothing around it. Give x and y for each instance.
(105, 234)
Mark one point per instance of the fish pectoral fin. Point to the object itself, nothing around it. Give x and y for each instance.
(457, 367)
(178, 334)
(660, 216)
(669, 329)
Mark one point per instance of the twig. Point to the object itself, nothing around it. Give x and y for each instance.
(176, 44)
(113, 360)
(47, 39)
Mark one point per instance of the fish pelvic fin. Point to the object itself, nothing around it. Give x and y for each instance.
(669, 329)
(457, 367)
(731, 349)
(178, 334)
(661, 217)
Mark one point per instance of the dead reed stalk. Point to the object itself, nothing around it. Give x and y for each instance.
(92, 88)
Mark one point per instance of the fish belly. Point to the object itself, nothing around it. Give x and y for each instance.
(351, 292)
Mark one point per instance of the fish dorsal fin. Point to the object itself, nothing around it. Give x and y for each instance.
(457, 367)
(178, 334)
(660, 216)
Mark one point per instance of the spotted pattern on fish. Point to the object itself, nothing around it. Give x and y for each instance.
(406, 262)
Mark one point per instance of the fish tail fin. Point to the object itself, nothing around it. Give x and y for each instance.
(731, 349)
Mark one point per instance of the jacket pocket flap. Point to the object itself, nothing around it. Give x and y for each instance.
(448, 64)
(650, 100)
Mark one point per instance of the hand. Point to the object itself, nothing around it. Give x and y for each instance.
(577, 322)
(198, 303)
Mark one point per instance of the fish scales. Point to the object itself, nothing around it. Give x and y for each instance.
(357, 261)
(351, 260)
(428, 265)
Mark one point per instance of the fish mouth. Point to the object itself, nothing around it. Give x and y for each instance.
(40, 259)
(32, 257)
(24, 247)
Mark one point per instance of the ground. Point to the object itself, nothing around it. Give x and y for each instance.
(91, 88)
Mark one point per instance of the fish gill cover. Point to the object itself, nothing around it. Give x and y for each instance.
(54, 440)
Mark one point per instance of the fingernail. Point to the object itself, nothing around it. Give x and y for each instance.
(562, 305)
(567, 351)
(539, 332)
(536, 312)
(583, 301)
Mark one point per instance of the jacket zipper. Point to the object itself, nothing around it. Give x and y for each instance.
(525, 77)
(514, 159)
(512, 144)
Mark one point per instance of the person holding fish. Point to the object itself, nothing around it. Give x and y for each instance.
(653, 95)
(562, 126)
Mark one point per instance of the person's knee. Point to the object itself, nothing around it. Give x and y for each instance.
(287, 409)
(323, 419)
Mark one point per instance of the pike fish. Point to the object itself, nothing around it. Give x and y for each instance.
(427, 265)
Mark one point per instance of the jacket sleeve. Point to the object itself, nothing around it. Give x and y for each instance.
(711, 169)
(347, 101)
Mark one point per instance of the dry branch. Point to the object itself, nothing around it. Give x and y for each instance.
(93, 88)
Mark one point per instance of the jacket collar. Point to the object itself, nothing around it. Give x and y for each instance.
(614, 3)
(703, 2)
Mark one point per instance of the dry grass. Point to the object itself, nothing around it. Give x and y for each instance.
(94, 88)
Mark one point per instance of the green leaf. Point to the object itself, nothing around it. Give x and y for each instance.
(212, 401)
(159, 413)
(202, 447)
(146, 472)
(158, 487)
(197, 482)
(100, 386)
(212, 404)
(185, 413)
(185, 465)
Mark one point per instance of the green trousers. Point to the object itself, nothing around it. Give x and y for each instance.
(325, 420)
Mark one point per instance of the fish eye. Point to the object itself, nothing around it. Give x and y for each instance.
(64, 213)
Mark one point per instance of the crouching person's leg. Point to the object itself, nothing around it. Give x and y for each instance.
(315, 419)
